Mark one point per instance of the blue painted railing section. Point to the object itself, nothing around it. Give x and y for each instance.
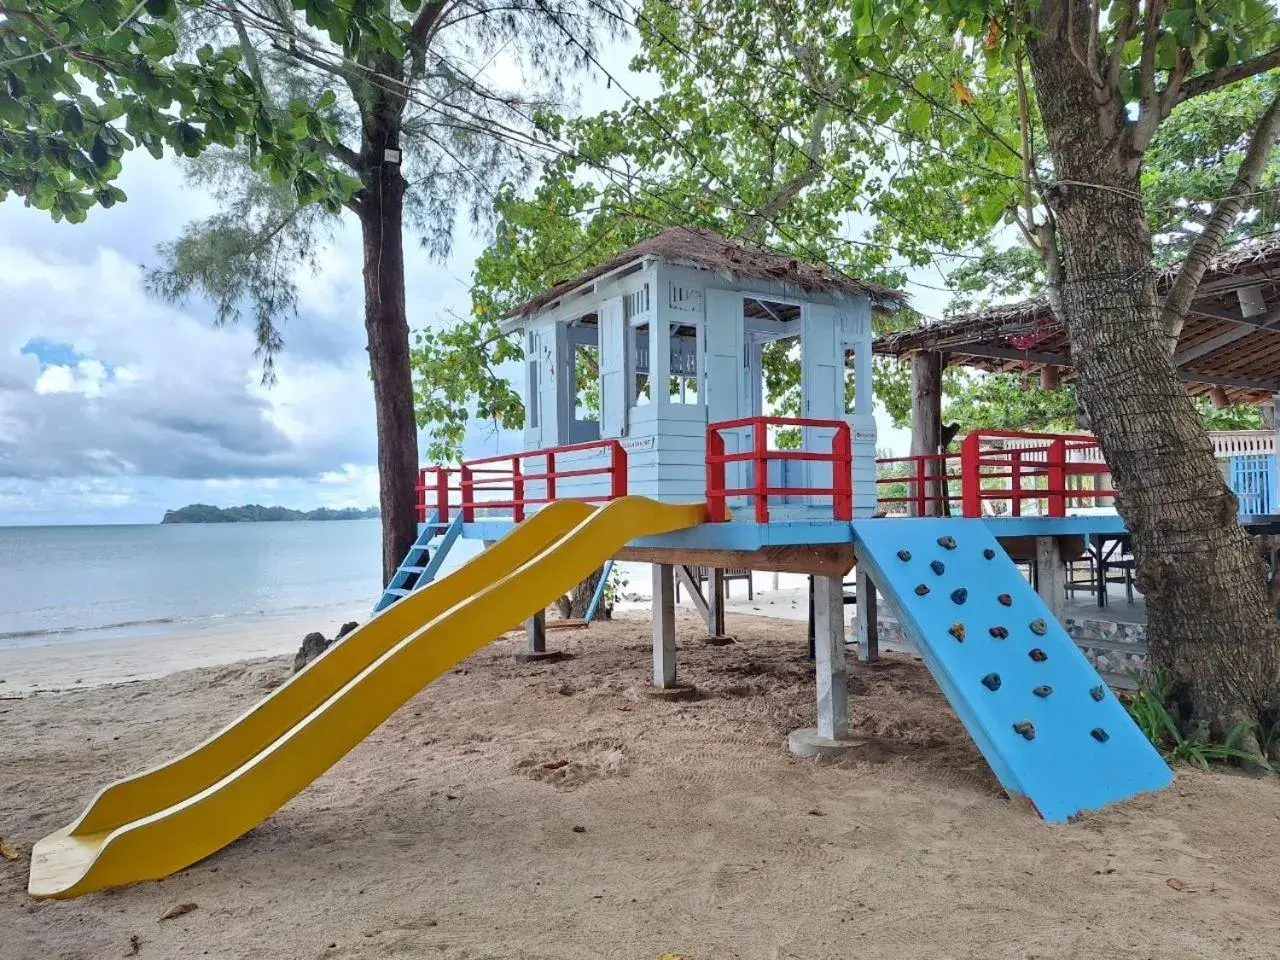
(1253, 479)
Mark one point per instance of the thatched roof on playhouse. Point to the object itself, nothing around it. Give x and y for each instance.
(1230, 341)
(707, 250)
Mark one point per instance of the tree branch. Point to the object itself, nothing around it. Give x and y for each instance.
(1223, 76)
(1182, 293)
(1144, 129)
(1124, 30)
(337, 151)
(424, 24)
(769, 210)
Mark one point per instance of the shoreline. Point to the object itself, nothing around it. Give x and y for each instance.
(110, 656)
(127, 653)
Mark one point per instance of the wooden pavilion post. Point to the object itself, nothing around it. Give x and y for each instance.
(926, 420)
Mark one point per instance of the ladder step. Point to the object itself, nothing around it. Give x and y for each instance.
(413, 570)
(397, 592)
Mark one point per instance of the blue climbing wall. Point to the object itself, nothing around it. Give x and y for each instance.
(1048, 725)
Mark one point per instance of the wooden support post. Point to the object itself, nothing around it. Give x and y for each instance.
(926, 417)
(868, 632)
(535, 631)
(664, 626)
(1051, 576)
(715, 603)
(685, 578)
(829, 662)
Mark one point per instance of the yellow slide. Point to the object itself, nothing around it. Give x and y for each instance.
(148, 826)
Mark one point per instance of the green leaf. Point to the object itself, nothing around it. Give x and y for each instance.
(411, 5)
(326, 100)
(919, 116)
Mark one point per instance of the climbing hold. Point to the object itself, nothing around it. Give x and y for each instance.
(1038, 655)
(947, 543)
(959, 596)
(921, 589)
(1042, 691)
(989, 553)
(904, 555)
(999, 632)
(1099, 734)
(1005, 600)
(991, 681)
(957, 631)
(1098, 692)
(1025, 729)
(938, 567)
(1039, 627)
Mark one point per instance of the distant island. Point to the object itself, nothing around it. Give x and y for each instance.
(256, 513)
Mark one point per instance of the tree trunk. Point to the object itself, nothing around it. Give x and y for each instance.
(381, 211)
(1210, 626)
(573, 605)
(926, 424)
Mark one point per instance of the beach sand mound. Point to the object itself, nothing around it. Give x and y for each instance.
(556, 810)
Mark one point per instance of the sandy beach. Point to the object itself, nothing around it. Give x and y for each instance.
(561, 810)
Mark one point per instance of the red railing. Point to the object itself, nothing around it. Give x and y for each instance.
(509, 473)
(1036, 467)
(928, 479)
(840, 458)
(435, 495)
(1050, 459)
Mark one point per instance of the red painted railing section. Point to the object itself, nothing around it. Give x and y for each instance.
(1006, 467)
(840, 458)
(928, 478)
(433, 492)
(512, 474)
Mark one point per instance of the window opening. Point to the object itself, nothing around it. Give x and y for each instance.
(683, 386)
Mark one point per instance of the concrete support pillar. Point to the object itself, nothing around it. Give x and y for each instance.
(1051, 576)
(831, 736)
(833, 676)
(868, 634)
(664, 626)
(535, 631)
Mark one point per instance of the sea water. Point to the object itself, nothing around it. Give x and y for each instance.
(75, 583)
(70, 583)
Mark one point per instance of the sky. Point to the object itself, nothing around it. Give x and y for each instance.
(115, 407)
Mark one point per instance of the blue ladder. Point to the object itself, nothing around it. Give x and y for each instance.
(421, 564)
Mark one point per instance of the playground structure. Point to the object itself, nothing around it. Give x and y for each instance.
(674, 462)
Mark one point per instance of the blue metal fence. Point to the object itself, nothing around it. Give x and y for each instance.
(1253, 478)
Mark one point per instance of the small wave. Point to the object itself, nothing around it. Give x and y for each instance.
(35, 634)
(57, 631)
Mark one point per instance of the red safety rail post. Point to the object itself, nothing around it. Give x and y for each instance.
(442, 493)
(421, 489)
(716, 512)
(551, 476)
(1015, 504)
(922, 487)
(842, 473)
(517, 491)
(760, 448)
(970, 475)
(467, 486)
(618, 468)
(1057, 473)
